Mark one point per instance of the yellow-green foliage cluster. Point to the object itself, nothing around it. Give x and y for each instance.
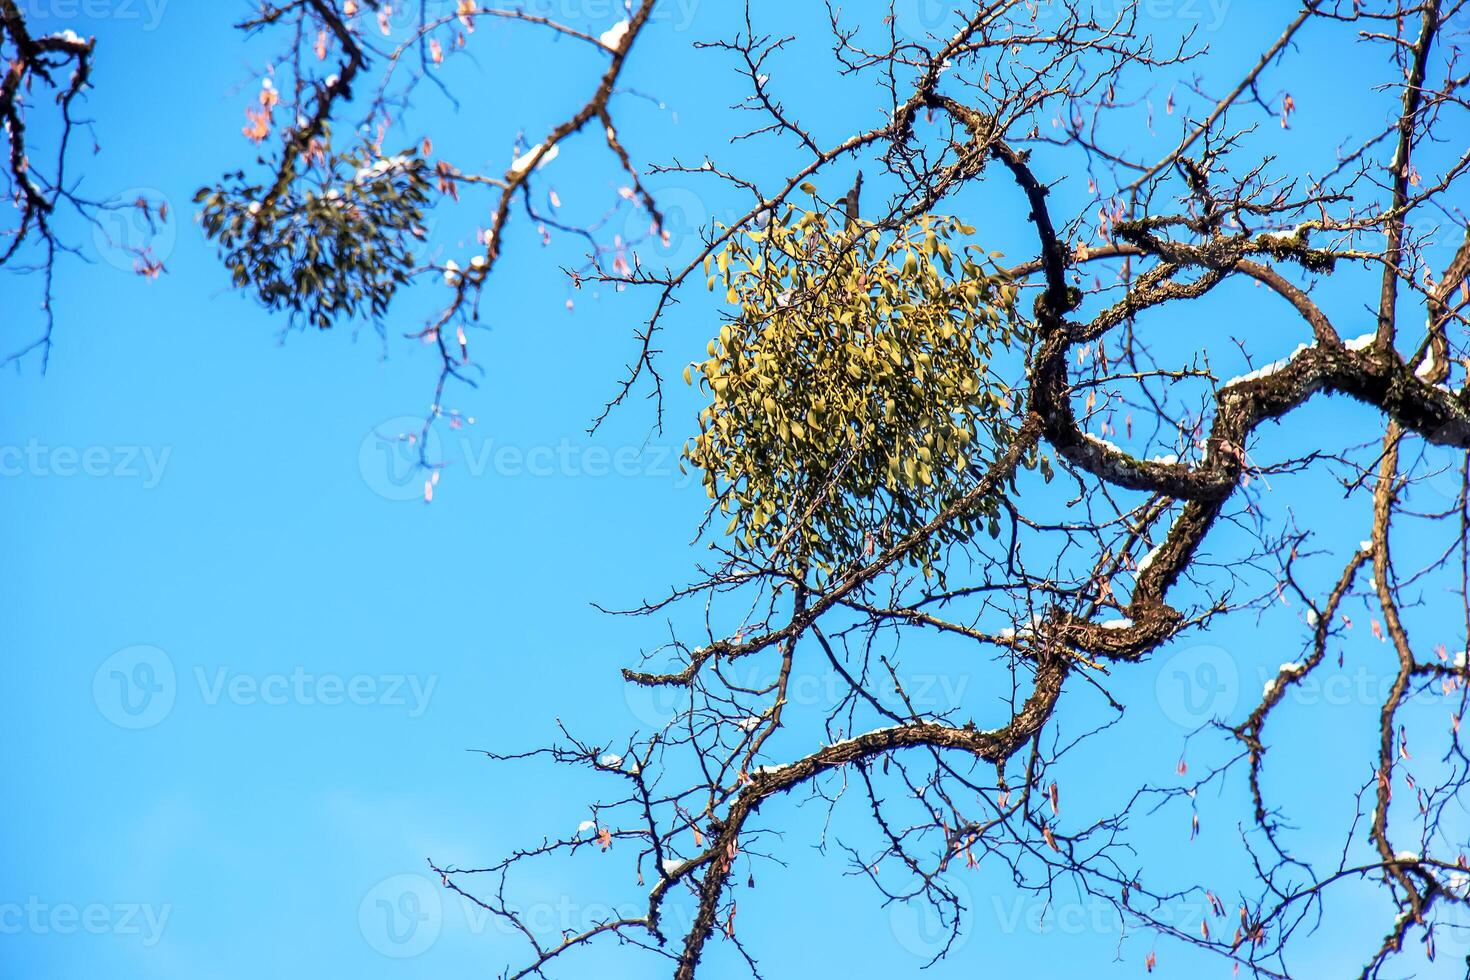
(852, 389)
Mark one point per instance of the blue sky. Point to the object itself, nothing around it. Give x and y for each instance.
(193, 506)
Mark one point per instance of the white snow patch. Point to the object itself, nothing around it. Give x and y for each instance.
(1359, 343)
(586, 825)
(1118, 624)
(522, 163)
(613, 36)
(1147, 560)
(1285, 236)
(854, 738)
(1009, 633)
(612, 761)
(1103, 443)
(1423, 371)
(1269, 369)
(381, 167)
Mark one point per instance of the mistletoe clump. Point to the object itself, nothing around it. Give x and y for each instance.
(853, 389)
(329, 251)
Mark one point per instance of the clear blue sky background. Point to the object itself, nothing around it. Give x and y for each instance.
(271, 539)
